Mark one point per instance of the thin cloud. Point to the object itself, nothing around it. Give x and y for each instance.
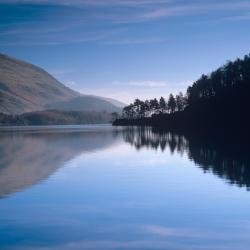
(112, 12)
(61, 72)
(165, 231)
(41, 40)
(152, 84)
(132, 3)
(190, 233)
(149, 9)
(132, 41)
(17, 30)
(244, 17)
(71, 84)
(142, 84)
(195, 9)
(149, 84)
(128, 91)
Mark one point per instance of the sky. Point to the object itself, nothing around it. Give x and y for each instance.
(126, 49)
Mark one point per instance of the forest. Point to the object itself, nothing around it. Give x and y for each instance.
(147, 108)
(216, 100)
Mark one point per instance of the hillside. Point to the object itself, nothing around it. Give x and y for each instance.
(56, 117)
(25, 88)
(84, 103)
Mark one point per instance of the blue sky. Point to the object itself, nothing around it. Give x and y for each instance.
(122, 48)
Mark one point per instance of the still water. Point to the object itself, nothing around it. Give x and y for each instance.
(98, 187)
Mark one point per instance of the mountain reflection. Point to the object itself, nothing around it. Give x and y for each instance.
(225, 157)
(28, 157)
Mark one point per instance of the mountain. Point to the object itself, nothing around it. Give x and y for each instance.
(84, 103)
(114, 102)
(26, 88)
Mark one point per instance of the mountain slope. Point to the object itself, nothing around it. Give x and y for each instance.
(25, 88)
(84, 103)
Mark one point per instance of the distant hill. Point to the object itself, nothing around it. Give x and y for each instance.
(26, 88)
(85, 103)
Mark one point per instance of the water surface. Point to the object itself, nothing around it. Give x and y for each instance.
(98, 187)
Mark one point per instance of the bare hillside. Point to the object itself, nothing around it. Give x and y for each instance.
(25, 88)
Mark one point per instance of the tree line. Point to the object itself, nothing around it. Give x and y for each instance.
(231, 77)
(139, 108)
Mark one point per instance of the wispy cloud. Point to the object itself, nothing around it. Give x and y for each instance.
(100, 16)
(190, 232)
(53, 39)
(166, 231)
(90, 2)
(132, 41)
(154, 10)
(195, 9)
(127, 91)
(60, 72)
(145, 243)
(243, 17)
(143, 84)
(151, 84)
(141, 10)
(72, 84)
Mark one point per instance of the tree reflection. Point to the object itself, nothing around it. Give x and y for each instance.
(226, 157)
(148, 137)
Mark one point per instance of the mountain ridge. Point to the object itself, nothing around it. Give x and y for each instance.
(25, 87)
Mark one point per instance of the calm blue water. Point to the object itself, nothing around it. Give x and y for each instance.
(98, 187)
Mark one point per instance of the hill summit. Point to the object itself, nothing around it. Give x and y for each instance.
(25, 87)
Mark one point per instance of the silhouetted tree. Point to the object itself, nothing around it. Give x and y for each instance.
(162, 104)
(171, 103)
(129, 111)
(154, 105)
(115, 116)
(147, 105)
(180, 102)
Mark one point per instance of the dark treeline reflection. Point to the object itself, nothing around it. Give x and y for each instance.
(152, 138)
(227, 157)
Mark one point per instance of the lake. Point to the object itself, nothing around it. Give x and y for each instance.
(103, 187)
